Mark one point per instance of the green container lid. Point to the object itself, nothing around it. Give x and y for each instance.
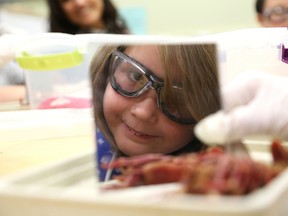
(49, 62)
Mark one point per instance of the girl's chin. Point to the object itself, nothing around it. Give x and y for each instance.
(136, 150)
(132, 153)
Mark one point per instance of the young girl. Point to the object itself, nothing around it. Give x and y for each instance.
(85, 16)
(148, 98)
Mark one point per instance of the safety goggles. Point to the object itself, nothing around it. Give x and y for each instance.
(132, 79)
(278, 14)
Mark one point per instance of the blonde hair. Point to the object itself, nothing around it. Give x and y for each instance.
(196, 66)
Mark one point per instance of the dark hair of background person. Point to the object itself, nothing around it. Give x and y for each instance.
(259, 5)
(60, 23)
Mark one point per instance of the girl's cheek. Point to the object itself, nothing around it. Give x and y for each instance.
(108, 97)
(111, 101)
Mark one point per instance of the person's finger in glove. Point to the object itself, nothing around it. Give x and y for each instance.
(254, 105)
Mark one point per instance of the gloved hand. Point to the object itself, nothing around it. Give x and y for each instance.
(254, 104)
(6, 51)
(9, 35)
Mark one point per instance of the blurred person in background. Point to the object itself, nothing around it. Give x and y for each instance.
(272, 13)
(85, 16)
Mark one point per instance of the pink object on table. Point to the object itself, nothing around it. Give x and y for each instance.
(65, 102)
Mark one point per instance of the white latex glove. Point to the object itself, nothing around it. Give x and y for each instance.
(7, 52)
(9, 35)
(255, 104)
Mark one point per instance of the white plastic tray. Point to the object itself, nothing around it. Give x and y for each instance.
(70, 188)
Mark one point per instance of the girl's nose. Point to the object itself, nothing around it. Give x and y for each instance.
(145, 106)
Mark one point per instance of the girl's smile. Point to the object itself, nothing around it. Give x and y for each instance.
(137, 133)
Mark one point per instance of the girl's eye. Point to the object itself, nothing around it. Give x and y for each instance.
(136, 76)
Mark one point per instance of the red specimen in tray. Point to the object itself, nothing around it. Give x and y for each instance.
(210, 172)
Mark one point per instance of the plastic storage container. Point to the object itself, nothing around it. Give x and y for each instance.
(56, 71)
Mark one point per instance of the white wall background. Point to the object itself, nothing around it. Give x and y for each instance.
(189, 17)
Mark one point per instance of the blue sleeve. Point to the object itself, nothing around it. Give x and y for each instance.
(104, 155)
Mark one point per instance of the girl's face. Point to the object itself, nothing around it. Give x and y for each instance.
(85, 13)
(137, 124)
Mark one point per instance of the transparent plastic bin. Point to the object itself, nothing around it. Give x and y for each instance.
(56, 71)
